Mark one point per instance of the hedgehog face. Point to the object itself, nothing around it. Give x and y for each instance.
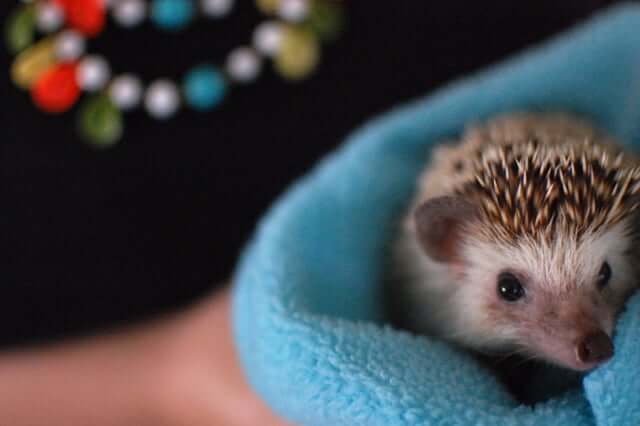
(554, 300)
(549, 298)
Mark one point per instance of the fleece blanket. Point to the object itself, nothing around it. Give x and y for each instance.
(308, 303)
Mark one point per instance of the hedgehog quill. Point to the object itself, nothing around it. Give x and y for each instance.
(522, 238)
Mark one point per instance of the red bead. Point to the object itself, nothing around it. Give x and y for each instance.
(86, 16)
(57, 89)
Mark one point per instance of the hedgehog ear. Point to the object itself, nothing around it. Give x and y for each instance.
(439, 222)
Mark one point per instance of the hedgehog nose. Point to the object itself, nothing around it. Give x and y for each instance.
(594, 348)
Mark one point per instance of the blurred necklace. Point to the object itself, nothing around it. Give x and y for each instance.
(56, 70)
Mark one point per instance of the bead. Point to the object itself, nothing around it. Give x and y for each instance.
(326, 19)
(268, 6)
(49, 17)
(93, 73)
(32, 62)
(267, 38)
(298, 55)
(129, 13)
(20, 29)
(69, 45)
(216, 8)
(243, 65)
(204, 87)
(293, 10)
(126, 91)
(162, 99)
(56, 90)
(86, 16)
(172, 14)
(109, 4)
(100, 122)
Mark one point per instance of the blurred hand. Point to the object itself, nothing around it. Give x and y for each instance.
(181, 370)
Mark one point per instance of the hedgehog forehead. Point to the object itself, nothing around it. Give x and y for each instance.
(529, 189)
(563, 263)
(559, 265)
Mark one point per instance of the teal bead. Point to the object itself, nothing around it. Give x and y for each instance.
(204, 87)
(172, 14)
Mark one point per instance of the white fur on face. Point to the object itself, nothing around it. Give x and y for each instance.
(562, 299)
(561, 265)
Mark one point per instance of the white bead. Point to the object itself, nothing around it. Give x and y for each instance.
(126, 91)
(129, 13)
(267, 38)
(243, 64)
(162, 99)
(49, 17)
(93, 73)
(216, 8)
(293, 10)
(69, 45)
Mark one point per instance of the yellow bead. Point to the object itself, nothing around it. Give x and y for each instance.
(268, 6)
(32, 62)
(298, 55)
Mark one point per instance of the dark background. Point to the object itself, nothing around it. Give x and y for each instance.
(94, 239)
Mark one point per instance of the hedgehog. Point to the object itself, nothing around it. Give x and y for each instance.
(522, 239)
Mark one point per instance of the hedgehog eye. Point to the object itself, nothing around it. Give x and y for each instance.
(604, 276)
(509, 287)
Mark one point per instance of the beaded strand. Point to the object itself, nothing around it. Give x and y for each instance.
(56, 69)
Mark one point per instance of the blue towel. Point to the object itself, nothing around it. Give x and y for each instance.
(308, 304)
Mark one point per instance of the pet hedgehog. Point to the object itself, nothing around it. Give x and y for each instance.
(522, 238)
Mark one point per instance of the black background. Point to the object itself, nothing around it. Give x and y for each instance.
(93, 239)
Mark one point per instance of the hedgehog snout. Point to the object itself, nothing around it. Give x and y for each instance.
(594, 348)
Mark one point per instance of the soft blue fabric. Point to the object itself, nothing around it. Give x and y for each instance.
(307, 304)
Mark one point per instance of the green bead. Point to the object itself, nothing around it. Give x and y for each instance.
(100, 122)
(19, 29)
(326, 19)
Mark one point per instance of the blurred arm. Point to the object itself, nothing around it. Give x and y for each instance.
(181, 370)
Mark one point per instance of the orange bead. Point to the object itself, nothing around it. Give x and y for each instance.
(56, 90)
(86, 16)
